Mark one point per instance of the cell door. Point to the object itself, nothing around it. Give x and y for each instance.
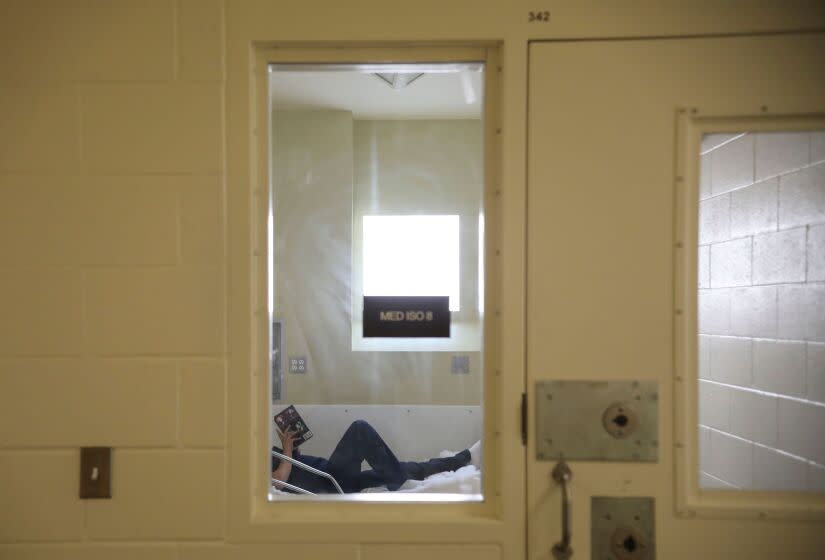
(676, 298)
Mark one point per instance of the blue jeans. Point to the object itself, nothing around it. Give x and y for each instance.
(362, 443)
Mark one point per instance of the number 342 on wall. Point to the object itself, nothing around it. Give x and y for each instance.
(538, 16)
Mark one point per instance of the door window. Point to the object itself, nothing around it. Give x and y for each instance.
(762, 311)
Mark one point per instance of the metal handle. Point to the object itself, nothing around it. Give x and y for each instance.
(562, 475)
(298, 489)
(306, 467)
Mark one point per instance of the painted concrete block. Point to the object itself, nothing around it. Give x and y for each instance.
(753, 416)
(815, 371)
(816, 478)
(780, 152)
(202, 228)
(202, 403)
(42, 312)
(779, 367)
(714, 311)
(156, 311)
(96, 41)
(817, 146)
(704, 356)
(730, 263)
(161, 495)
(39, 210)
(709, 482)
(39, 491)
(731, 360)
(704, 177)
(704, 448)
(816, 253)
(200, 40)
(714, 220)
(776, 471)
(703, 265)
(779, 257)
(40, 128)
(802, 197)
(127, 220)
(714, 405)
(802, 312)
(754, 209)
(712, 141)
(753, 311)
(155, 128)
(53, 402)
(801, 426)
(90, 551)
(732, 165)
(732, 460)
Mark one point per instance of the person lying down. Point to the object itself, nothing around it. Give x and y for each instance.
(361, 443)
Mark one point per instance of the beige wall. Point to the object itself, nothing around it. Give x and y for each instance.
(329, 171)
(120, 220)
(113, 292)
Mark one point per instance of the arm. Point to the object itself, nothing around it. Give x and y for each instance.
(285, 468)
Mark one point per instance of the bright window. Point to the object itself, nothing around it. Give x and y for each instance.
(412, 256)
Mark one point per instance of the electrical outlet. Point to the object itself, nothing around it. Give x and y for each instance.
(460, 364)
(298, 364)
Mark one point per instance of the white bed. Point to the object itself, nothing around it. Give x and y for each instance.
(466, 480)
(401, 427)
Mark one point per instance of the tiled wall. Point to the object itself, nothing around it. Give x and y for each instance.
(762, 311)
(112, 265)
(112, 286)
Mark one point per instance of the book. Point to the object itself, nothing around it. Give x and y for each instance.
(289, 419)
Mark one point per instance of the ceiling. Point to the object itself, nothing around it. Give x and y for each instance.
(440, 95)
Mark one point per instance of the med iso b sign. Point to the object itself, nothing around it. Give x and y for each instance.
(406, 316)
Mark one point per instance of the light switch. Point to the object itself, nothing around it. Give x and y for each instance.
(95, 472)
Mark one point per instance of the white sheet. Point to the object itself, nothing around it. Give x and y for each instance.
(466, 480)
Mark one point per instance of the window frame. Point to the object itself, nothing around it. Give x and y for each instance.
(691, 500)
(252, 515)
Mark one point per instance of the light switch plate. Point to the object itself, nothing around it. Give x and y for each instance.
(597, 420)
(95, 472)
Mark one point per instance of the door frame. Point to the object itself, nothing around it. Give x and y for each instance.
(500, 518)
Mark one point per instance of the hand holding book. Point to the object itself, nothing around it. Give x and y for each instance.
(291, 427)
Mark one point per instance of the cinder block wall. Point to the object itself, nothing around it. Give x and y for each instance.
(113, 288)
(112, 277)
(762, 311)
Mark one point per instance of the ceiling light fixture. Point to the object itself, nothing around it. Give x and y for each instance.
(398, 80)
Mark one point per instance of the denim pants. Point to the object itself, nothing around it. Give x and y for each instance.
(362, 443)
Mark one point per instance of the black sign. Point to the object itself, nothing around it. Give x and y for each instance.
(406, 316)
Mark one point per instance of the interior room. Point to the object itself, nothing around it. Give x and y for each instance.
(412, 280)
(377, 190)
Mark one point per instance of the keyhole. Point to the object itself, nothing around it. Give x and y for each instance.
(629, 544)
(620, 420)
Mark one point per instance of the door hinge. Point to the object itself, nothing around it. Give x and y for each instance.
(524, 418)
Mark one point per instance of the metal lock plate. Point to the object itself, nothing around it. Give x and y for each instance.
(597, 420)
(622, 528)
